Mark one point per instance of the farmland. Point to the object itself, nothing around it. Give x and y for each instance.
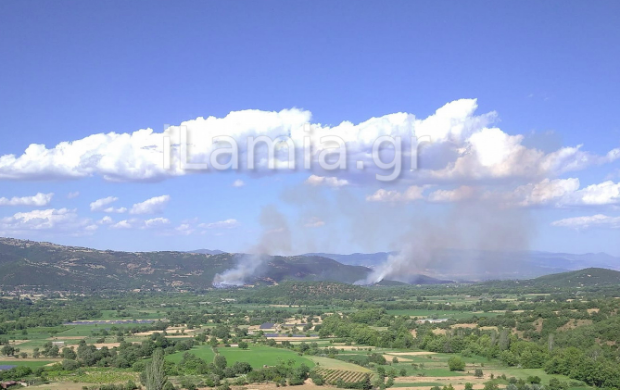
(499, 339)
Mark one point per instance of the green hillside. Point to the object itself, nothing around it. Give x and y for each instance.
(31, 264)
(581, 278)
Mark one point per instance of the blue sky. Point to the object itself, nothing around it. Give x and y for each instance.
(71, 70)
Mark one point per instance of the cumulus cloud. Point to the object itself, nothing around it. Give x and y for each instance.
(156, 222)
(410, 194)
(559, 193)
(103, 205)
(455, 195)
(315, 180)
(56, 220)
(465, 147)
(593, 221)
(135, 223)
(38, 200)
(492, 154)
(545, 192)
(105, 221)
(125, 224)
(225, 224)
(605, 193)
(153, 205)
(238, 183)
(184, 229)
(72, 195)
(565, 193)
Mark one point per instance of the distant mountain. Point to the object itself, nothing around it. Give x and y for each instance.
(588, 277)
(207, 251)
(583, 278)
(471, 265)
(363, 259)
(29, 264)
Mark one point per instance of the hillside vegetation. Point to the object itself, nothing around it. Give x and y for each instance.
(44, 265)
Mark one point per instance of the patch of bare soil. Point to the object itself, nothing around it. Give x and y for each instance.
(572, 324)
(400, 358)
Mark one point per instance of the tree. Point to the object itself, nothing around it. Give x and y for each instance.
(220, 362)
(478, 373)
(490, 385)
(68, 353)
(7, 350)
(455, 363)
(243, 345)
(534, 379)
(155, 376)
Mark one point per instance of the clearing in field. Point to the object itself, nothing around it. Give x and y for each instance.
(335, 364)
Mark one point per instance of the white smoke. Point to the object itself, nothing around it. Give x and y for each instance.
(247, 265)
(451, 245)
(275, 239)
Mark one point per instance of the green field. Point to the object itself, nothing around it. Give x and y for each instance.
(25, 363)
(133, 314)
(335, 364)
(258, 356)
(455, 314)
(204, 352)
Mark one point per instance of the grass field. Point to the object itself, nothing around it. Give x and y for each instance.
(456, 314)
(336, 364)
(418, 384)
(258, 356)
(204, 352)
(86, 330)
(25, 363)
(133, 314)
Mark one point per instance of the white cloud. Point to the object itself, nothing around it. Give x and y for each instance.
(105, 221)
(456, 195)
(410, 194)
(564, 193)
(72, 195)
(594, 221)
(151, 206)
(135, 223)
(225, 224)
(314, 222)
(184, 229)
(100, 205)
(492, 154)
(605, 193)
(238, 183)
(465, 147)
(38, 200)
(156, 222)
(315, 180)
(125, 224)
(545, 192)
(56, 220)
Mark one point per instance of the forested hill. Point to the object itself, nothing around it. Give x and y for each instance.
(589, 277)
(582, 278)
(30, 264)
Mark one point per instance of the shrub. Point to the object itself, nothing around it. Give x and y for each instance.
(455, 363)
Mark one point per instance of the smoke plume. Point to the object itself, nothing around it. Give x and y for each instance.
(275, 239)
(474, 239)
